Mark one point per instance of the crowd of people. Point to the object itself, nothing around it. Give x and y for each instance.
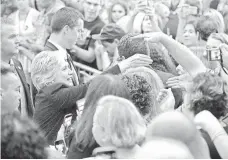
(122, 79)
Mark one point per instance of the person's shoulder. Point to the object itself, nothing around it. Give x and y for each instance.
(53, 88)
(99, 23)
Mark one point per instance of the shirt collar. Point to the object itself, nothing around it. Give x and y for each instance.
(58, 46)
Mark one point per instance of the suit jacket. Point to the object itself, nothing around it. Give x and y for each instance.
(21, 74)
(53, 103)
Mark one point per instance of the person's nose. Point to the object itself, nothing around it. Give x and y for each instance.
(19, 95)
(186, 34)
(70, 71)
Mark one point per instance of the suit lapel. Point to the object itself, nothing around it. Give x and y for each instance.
(50, 46)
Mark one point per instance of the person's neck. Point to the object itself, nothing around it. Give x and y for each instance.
(87, 19)
(57, 39)
(5, 59)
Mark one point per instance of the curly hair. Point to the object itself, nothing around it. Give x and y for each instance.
(127, 47)
(205, 26)
(139, 89)
(209, 92)
(21, 139)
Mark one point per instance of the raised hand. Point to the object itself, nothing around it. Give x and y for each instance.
(183, 82)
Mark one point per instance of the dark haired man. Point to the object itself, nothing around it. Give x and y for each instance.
(106, 50)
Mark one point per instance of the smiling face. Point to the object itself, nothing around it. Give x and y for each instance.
(190, 35)
(64, 74)
(118, 12)
(9, 42)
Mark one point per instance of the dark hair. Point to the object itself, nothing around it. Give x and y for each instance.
(205, 26)
(127, 47)
(140, 92)
(209, 92)
(65, 16)
(21, 138)
(100, 86)
(192, 22)
(110, 10)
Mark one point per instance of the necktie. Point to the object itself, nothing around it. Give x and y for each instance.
(75, 76)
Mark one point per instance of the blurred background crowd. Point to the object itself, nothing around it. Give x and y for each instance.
(114, 79)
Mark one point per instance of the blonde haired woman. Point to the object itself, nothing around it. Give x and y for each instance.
(118, 124)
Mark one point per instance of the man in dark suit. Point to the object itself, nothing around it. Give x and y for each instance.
(9, 48)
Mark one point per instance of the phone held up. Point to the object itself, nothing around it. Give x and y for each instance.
(214, 54)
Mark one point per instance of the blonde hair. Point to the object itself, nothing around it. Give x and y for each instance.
(125, 126)
(44, 68)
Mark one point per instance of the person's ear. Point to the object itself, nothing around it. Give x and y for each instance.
(65, 29)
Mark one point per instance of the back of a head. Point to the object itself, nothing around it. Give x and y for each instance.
(217, 17)
(100, 86)
(164, 148)
(155, 83)
(206, 26)
(21, 138)
(128, 47)
(122, 123)
(139, 90)
(105, 85)
(208, 92)
(210, 22)
(66, 16)
(177, 126)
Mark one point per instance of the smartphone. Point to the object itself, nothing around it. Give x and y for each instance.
(193, 10)
(214, 54)
(189, 10)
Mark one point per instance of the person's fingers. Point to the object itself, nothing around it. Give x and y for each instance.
(224, 48)
(138, 36)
